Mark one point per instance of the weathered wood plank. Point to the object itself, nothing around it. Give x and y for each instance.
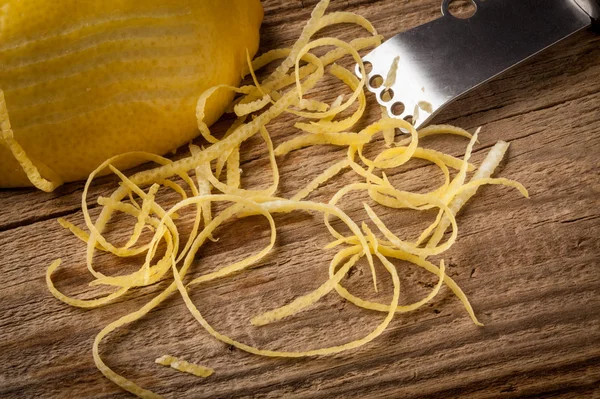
(528, 266)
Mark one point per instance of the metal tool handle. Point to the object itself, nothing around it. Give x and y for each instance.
(447, 57)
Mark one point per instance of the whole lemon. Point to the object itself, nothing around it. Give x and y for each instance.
(87, 80)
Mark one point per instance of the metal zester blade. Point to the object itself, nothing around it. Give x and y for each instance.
(444, 59)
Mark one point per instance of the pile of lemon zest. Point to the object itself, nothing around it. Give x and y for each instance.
(328, 41)
(287, 206)
(361, 242)
(328, 126)
(190, 255)
(327, 59)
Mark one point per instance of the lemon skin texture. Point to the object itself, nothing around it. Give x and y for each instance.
(87, 80)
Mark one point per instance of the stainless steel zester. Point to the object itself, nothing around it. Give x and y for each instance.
(444, 59)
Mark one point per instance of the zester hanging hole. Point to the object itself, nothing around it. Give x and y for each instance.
(462, 9)
(398, 108)
(387, 95)
(376, 81)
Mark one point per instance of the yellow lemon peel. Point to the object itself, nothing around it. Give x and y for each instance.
(186, 367)
(257, 105)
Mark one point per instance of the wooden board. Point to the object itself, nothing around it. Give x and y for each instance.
(530, 267)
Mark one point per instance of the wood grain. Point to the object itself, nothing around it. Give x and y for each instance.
(530, 267)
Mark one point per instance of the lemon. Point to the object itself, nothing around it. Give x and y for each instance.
(87, 80)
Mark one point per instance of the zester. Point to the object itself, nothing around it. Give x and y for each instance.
(439, 61)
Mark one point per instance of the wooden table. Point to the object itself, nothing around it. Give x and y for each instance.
(530, 267)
